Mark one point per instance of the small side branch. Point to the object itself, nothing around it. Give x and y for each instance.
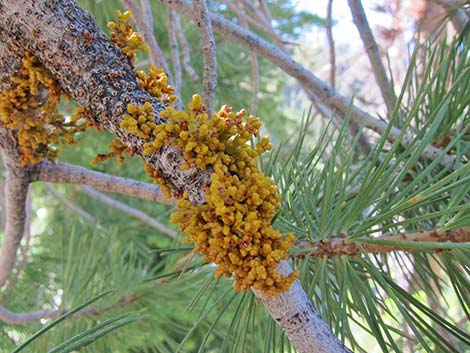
(331, 42)
(253, 59)
(372, 49)
(13, 318)
(458, 16)
(130, 211)
(175, 55)
(263, 21)
(59, 172)
(204, 25)
(185, 50)
(426, 240)
(16, 190)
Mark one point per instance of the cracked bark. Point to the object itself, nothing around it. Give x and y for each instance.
(95, 74)
(92, 72)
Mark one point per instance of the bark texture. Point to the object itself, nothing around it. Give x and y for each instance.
(16, 190)
(300, 321)
(91, 70)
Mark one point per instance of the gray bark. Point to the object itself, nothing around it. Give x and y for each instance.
(15, 193)
(300, 321)
(59, 172)
(92, 72)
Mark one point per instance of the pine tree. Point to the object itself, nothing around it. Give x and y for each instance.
(378, 205)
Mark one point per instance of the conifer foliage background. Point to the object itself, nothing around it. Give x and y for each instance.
(381, 217)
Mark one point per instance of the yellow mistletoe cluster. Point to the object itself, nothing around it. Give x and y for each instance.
(117, 149)
(29, 108)
(233, 228)
(125, 37)
(156, 83)
(140, 120)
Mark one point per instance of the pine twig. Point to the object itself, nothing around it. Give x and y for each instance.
(130, 211)
(372, 49)
(331, 43)
(458, 17)
(175, 56)
(255, 81)
(203, 22)
(264, 22)
(59, 172)
(13, 318)
(265, 9)
(147, 13)
(143, 19)
(336, 246)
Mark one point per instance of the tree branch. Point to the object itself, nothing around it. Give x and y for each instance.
(59, 172)
(16, 191)
(130, 211)
(203, 22)
(84, 214)
(263, 21)
(331, 42)
(238, 7)
(372, 49)
(308, 80)
(175, 56)
(186, 52)
(24, 250)
(299, 320)
(425, 240)
(457, 15)
(13, 318)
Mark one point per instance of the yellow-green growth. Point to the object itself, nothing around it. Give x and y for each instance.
(117, 150)
(35, 119)
(124, 36)
(156, 83)
(233, 228)
(140, 120)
